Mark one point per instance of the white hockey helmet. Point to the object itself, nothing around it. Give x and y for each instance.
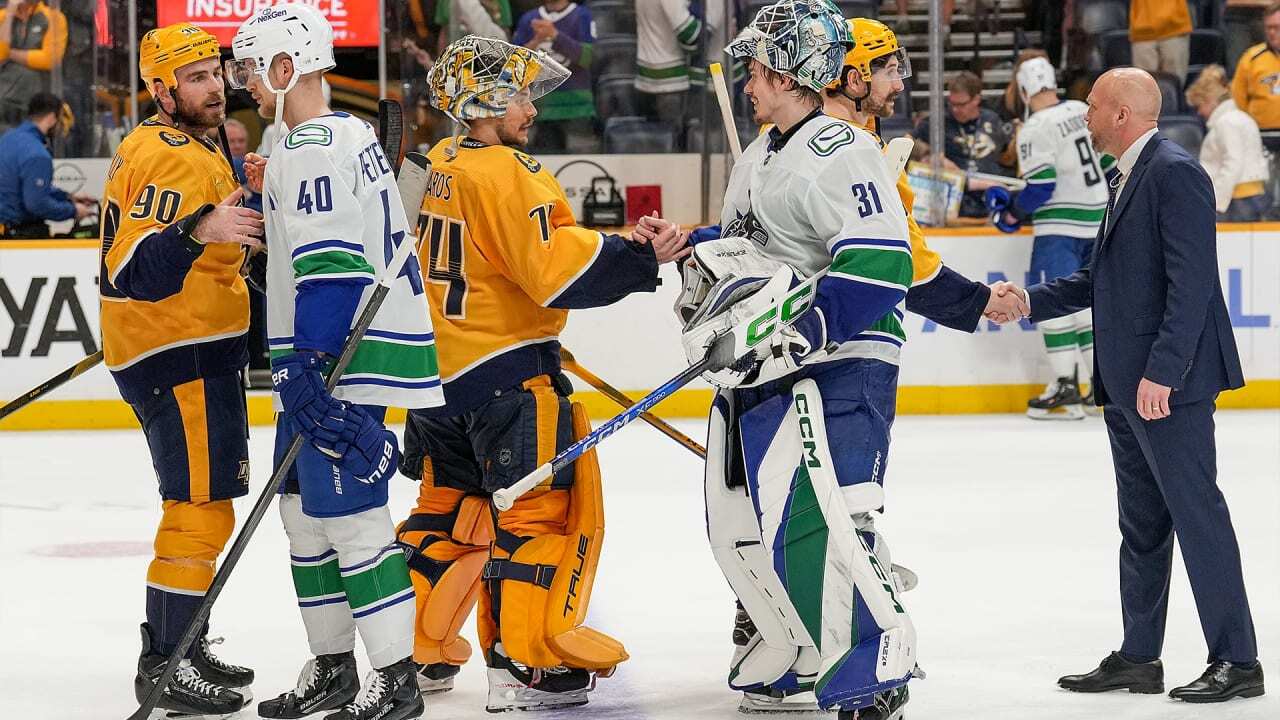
(1034, 76)
(294, 29)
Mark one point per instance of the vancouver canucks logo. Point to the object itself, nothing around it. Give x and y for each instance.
(174, 140)
(748, 227)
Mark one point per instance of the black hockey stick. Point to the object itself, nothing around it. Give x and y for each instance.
(391, 134)
(418, 176)
(43, 388)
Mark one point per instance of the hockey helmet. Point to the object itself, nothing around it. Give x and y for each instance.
(164, 50)
(294, 29)
(806, 40)
(476, 77)
(874, 44)
(1034, 76)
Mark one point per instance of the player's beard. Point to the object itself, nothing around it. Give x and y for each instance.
(199, 115)
(517, 137)
(883, 108)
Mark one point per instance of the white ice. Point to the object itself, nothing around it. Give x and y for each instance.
(1010, 524)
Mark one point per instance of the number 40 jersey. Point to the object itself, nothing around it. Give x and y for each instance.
(334, 214)
(1054, 148)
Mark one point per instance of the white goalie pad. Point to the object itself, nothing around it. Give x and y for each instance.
(796, 560)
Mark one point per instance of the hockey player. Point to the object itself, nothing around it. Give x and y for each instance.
(1065, 199)
(505, 262)
(334, 220)
(174, 316)
(812, 195)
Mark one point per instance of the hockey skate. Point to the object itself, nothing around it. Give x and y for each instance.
(188, 695)
(513, 686)
(888, 705)
(327, 682)
(388, 694)
(766, 699)
(1059, 401)
(218, 672)
(436, 677)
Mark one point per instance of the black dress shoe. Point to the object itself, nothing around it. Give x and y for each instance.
(1116, 673)
(1222, 681)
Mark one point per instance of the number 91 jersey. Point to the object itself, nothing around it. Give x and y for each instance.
(333, 213)
(1054, 148)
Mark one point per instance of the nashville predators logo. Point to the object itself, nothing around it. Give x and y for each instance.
(174, 140)
(532, 165)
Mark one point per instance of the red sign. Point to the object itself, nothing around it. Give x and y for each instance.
(355, 22)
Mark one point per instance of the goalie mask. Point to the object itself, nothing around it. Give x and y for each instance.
(806, 40)
(477, 77)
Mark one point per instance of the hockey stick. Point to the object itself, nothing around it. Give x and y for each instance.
(43, 388)
(571, 364)
(391, 137)
(728, 349)
(726, 110)
(413, 184)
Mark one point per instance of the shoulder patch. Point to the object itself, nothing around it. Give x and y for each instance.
(831, 138)
(309, 135)
(528, 162)
(174, 140)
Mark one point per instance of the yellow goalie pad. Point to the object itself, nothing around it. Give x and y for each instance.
(546, 584)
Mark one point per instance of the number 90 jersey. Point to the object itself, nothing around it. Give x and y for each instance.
(334, 214)
(1054, 148)
(171, 312)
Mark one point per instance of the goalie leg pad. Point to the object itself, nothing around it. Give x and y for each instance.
(446, 544)
(542, 584)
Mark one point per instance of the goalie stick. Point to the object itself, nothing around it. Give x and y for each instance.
(412, 182)
(727, 350)
(726, 110)
(391, 138)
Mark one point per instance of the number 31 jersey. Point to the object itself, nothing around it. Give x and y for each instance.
(333, 213)
(1054, 147)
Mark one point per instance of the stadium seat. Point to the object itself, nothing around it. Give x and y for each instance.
(1208, 46)
(1094, 17)
(638, 135)
(694, 137)
(615, 95)
(1186, 130)
(859, 8)
(896, 126)
(614, 54)
(1115, 49)
(614, 17)
(1172, 100)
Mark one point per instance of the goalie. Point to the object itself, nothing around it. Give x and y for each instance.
(790, 514)
(505, 262)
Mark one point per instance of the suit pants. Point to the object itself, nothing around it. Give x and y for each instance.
(1166, 482)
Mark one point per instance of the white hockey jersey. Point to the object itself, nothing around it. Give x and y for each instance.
(822, 197)
(1054, 147)
(333, 211)
(666, 32)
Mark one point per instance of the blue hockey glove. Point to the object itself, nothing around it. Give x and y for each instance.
(997, 199)
(367, 450)
(307, 404)
(704, 233)
(1005, 222)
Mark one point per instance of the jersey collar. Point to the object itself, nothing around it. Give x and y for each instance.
(778, 139)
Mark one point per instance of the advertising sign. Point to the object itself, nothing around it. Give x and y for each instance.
(355, 22)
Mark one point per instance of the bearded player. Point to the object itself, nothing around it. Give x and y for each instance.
(175, 312)
(505, 263)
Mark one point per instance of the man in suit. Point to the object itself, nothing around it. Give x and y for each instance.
(1164, 350)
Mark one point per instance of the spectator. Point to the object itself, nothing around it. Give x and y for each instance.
(1160, 31)
(27, 196)
(976, 139)
(1232, 151)
(1256, 86)
(33, 38)
(564, 30)
(667, 32)
(486, 18)
(78, 76)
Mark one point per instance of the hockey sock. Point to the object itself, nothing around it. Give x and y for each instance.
(1060, 340)
(1084, 341)
(317, 582)
(188, 541)
(376, 581)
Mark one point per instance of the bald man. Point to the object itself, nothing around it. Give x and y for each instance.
(1163, 352)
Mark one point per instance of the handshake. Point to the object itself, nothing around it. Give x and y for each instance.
(1008, 303)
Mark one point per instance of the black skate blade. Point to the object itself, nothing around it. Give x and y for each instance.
(536, 709)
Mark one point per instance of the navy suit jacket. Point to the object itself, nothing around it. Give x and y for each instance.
(1153, 284)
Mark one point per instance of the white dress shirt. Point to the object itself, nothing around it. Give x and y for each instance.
(1232, 152)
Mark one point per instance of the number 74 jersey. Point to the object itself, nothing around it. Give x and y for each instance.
(333, 213)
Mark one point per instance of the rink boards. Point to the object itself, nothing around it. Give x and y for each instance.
(48, 290)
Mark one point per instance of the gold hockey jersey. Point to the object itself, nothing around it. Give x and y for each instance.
(172, 310)
(504, 262)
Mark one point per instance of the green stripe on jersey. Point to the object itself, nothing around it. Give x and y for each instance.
(389, 577)
(890, 325)
(1107, 161)
(654, 73)
(331, 262)
(1089, 215)
(688, 32)
(887, 266)
(375, 357)
(1046, 174)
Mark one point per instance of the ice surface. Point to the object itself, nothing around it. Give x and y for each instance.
(1010, 524)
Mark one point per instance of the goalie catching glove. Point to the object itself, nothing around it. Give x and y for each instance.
(738, 304)
(357, 442)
